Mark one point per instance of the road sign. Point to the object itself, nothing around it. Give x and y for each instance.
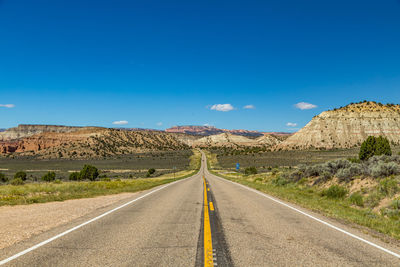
(237, 166)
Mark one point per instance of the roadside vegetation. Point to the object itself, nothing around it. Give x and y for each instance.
(117, 167)
(83, 184)
(364, 190)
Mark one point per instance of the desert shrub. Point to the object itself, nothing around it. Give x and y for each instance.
(334, 166)
(281, 180)
(335, 191)
(48, 177)
(388, 186)
(89, 172)
(250, 170)
(74, 176)
(313, 171)
(296, 176)
(348, 173)
(354, 160)
(17, 181)
(382, 169)
(343, 175)
(258, 179)
(372, 200)
(150, 172)
(21, 175)
(374, 146)
(396, 204)
(3, 178)
(357, 199)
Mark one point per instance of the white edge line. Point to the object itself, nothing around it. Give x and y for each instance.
(314, 218)
(83, 224)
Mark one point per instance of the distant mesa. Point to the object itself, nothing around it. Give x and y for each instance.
(347, 127)
(210, 130)
(236, 141)
(344, 127)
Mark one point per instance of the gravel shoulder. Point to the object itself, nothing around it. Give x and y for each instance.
(21, 222)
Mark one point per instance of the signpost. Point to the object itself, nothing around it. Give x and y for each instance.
(237, 166)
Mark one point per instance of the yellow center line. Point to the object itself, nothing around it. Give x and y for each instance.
(211, 206)
(208, 250)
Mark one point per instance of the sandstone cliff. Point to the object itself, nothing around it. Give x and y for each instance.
(347, 127)
(91, 142)
(25, 130)
(231, 140)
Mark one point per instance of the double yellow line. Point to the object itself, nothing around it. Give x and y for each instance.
(208, 249)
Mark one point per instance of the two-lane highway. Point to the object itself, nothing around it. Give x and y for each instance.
(203, 220)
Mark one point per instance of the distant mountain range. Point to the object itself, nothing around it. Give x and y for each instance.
(211, 130)
(344, 127)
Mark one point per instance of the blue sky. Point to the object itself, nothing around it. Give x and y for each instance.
(156, 64)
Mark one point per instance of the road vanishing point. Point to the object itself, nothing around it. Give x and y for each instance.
(202, 220)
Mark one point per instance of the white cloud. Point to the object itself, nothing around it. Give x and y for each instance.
(249, 107)
(304, 105)
(120, 122)
(7, 105)
(159, 123)
(291, 124)
(222, 107)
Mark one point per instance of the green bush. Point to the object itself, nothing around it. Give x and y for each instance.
(3, 178)
(21, 175)
(89, 172)
(335, 191)
(373, 200)
(151, 171)
(357, 199)
(17, 181)
(74, 176)
(374, 146)
(396, 204)
(354, 160)
(250, 170)
(280, 181)
(49, 177)
(388, 186)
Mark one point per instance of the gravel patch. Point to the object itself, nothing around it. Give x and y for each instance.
(20, 222)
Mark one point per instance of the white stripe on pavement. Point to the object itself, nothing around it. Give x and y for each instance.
(83, 224)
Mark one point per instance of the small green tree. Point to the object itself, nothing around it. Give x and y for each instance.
(74, 176)
(21, 175)
(383, 146)
(89, 172)
(374, 146)
(150, 172)
(250, 170)
(17, 181)
(49, 177)
(3, 178)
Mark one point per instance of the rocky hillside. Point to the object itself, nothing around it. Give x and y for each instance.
(347, 127)
(90, 142)
(210, 130)
(25, 130)
(231, 140)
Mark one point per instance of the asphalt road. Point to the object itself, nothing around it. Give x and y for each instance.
(171, 227)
